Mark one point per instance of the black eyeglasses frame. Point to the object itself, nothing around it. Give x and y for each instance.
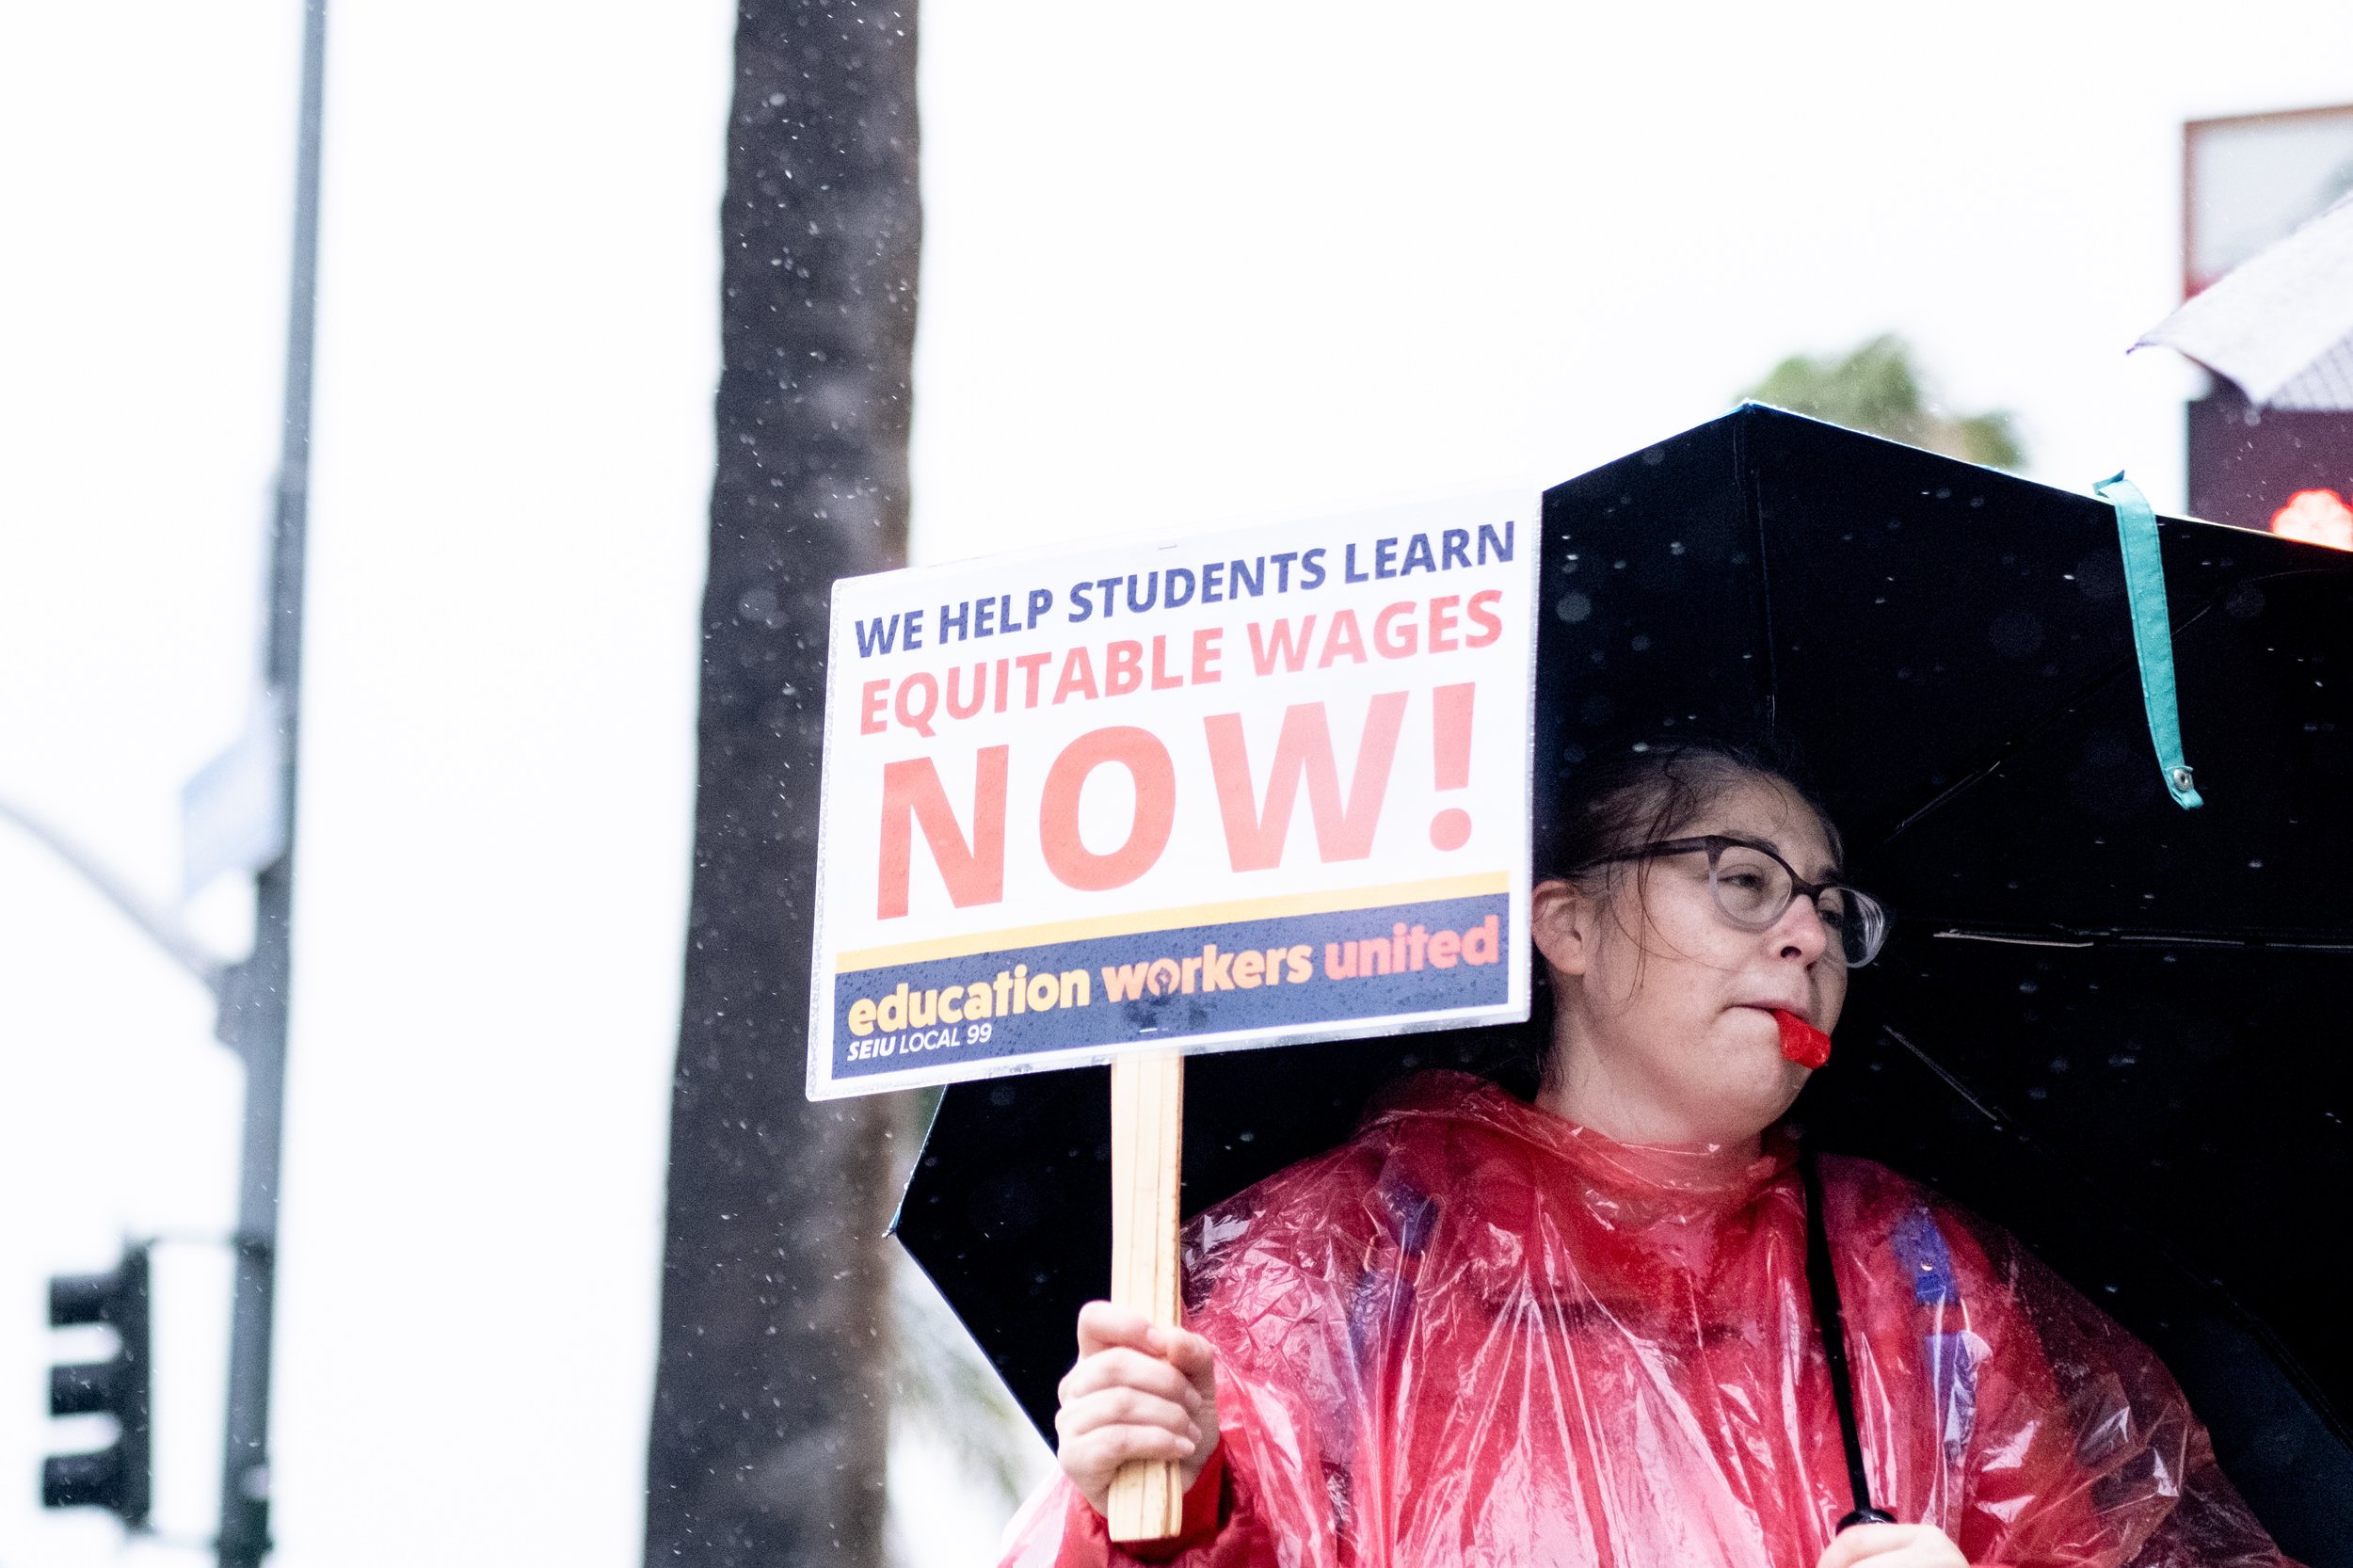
(1714, 844)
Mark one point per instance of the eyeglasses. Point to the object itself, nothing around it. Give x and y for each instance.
(1754, 887)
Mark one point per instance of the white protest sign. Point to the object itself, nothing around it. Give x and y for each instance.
(1247, 789)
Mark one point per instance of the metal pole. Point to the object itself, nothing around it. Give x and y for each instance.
(253, 1010)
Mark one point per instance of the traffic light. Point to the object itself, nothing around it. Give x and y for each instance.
(118, 1475)
(2250, 465)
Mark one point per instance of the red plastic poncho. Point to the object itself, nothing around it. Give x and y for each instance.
(1478, 1332)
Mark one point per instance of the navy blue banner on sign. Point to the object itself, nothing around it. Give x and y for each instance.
(1182, 985)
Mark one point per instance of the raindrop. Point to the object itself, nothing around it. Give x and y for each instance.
(2014, 634)
(2099, 575)
(1573, 608)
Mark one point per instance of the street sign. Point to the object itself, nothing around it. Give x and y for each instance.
(233, 813)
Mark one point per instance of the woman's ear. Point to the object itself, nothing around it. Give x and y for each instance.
(1560, 921)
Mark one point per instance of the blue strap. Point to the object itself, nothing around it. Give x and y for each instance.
(1919, 1244)
(2152, 631)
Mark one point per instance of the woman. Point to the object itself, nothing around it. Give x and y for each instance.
(1579, 1331)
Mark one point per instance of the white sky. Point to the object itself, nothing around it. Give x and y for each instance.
(1185, 265)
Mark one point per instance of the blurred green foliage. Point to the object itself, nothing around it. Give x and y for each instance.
(1877, 387)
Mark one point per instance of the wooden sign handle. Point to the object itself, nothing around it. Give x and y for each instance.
(1147, 1146)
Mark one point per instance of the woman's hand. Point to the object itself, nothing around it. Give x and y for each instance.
(1893, 1546)
(1137, 1392)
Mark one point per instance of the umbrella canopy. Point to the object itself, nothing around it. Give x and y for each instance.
(2111, 1025)
(2281, 324)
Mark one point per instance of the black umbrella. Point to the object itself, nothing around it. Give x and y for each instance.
(2113, 1025)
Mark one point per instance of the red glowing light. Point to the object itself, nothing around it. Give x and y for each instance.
(2316, 517)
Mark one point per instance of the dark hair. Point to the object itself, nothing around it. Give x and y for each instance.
(1626, 796)
(1615, 800)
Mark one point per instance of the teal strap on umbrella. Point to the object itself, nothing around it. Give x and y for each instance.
(2152, 631)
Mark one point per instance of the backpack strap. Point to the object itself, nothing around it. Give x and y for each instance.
(1822, 1285)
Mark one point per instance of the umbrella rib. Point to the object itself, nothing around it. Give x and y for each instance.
(2019, 740)
(1954, 933)
(1951, 1082)
(2095, 936)
(2006, 750)
(1754, 504)
(2098, 683)
(2164, 1245)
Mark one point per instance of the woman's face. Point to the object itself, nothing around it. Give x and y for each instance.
(1665, 1031)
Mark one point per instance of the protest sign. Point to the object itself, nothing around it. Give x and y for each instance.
(1238, 790)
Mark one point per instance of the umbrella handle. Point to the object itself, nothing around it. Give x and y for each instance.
(1147, 1151)
(2152, 631)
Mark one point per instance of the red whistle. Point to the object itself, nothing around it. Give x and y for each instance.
(1801, 1042)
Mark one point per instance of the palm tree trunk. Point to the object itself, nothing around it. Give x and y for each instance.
(770, 1414)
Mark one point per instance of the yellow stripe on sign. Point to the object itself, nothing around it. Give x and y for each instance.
(1142, 921)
